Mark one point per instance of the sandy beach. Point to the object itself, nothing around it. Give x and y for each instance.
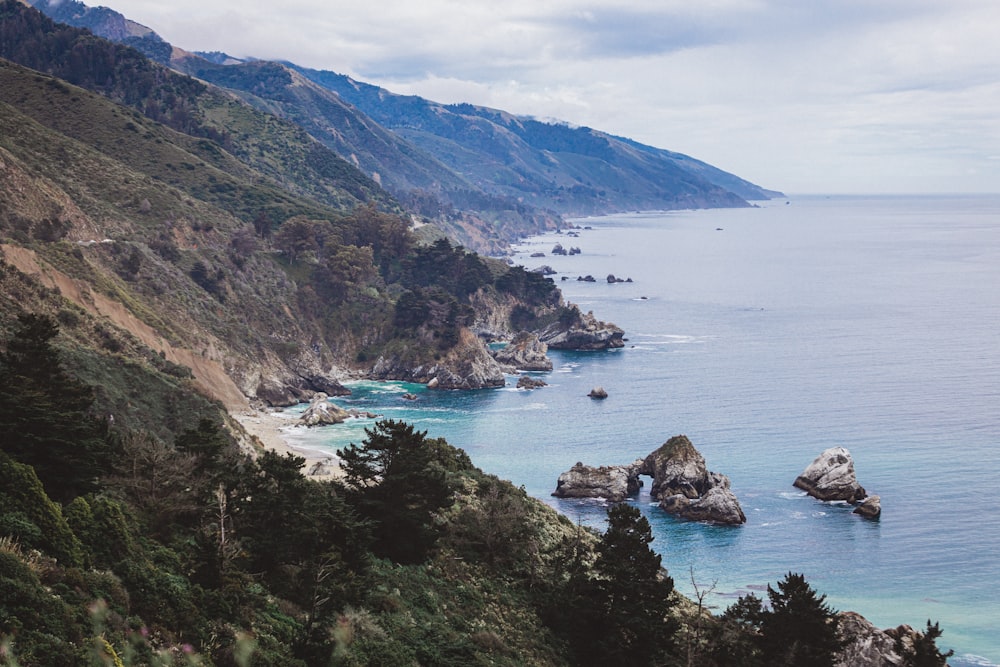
(267, 427)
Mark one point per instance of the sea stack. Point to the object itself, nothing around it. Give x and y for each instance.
(831, 477)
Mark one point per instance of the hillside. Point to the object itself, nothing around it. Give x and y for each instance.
(477, 172)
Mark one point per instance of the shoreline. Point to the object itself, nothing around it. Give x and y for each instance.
(267, 429)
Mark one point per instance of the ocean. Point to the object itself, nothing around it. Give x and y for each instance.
(767, 335)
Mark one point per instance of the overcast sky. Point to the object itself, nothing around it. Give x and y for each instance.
(805, 96)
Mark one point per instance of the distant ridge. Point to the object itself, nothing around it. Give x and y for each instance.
(483, 175)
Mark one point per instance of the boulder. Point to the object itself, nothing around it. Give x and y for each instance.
(322, 412)
(557, 249)
(409, 397)
(525, 352)
(831, 477)
(581, 332)
(718, 505)
(598, 392)
(528, 382)
(614, 483)
(865, 644)
(870, 507)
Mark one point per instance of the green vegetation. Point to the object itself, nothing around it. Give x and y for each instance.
(190, 550)
(163, 244)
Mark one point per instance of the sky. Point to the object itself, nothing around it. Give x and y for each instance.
(803, 96)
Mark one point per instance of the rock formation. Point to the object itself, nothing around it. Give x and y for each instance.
(614, 483)
(718, 505)
(528, 382)
(831, 477)
(681, 482)
(684, 485)
(598, 392)
(870, 507)
(525, 352)
(322, 412)
(867, 645)
(582, 332)
(468, 365)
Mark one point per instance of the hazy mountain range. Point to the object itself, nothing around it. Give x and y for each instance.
(481, 173)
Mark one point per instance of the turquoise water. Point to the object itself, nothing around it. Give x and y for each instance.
(766, 336)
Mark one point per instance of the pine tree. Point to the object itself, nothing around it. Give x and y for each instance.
(800, 629)
(626, 622)
(44, 413)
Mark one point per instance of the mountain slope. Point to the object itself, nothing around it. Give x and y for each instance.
(573, 170)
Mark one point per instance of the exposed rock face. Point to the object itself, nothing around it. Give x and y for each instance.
(718, 505)
(870, 507)
(290, 390)
(685, 487)
(614, 483)
(321, 412)
(677, 468)
(831, 477)
(525, 352)
(584, 332)
(468, 365)
(867, 645)
(598, 392)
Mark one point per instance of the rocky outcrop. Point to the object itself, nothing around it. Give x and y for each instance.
(582, 332)
(831, 477)
(598, 393)
(684, 485)
(867, 646)
(525, 352)
(286, 390)
(468, 365)
(322, 412)
(681, 482)
(614, 483)
(528, 382)
(870, 507)
(718, 505)
(677, 468)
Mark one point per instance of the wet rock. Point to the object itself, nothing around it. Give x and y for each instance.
(321, 412)
(528, 382)
(598, 392)
(870, 507)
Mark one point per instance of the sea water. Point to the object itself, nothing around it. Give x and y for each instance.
(767, 335)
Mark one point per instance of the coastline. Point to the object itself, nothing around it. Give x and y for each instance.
(266, 429)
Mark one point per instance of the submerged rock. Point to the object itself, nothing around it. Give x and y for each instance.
(831, 477)
(870, 507)
(528, 382)
(614, 483)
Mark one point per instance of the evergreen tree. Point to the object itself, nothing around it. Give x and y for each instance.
(800, 630)
(625, 607)
(399, 479)
(44, 413)
(925, 652)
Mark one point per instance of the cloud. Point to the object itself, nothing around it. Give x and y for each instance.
(826, 95)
